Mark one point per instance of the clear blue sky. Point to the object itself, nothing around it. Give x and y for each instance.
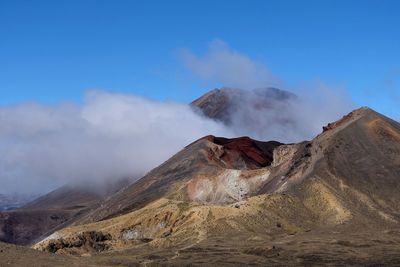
(52, 51)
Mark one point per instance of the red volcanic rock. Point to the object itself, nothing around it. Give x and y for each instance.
(242, 152)
(254, 154)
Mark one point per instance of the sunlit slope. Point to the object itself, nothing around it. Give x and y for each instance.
(346, 177)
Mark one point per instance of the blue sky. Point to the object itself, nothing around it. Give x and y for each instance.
(53, 51)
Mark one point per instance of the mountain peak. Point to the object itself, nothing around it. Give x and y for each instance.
(221, 103)
(351, 117)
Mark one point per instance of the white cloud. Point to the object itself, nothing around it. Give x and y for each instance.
(224, 65)
(111, 136)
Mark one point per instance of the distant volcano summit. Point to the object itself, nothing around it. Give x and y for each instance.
(221, 104)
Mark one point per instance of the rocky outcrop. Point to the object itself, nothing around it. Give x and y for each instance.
(254, 154)
(93, 241)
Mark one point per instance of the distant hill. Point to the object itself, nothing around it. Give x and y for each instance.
(51, 212)
(14, 201)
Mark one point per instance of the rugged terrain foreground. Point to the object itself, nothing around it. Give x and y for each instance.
(331, 201)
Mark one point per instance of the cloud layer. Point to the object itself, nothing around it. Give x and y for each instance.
(111, 136)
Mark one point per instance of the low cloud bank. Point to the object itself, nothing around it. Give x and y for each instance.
(109, 137)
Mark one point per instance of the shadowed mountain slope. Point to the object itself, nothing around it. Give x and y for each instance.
(51, 212)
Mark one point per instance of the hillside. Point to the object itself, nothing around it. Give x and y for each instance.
(206, 164)
(51, 212)
(332, 200)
